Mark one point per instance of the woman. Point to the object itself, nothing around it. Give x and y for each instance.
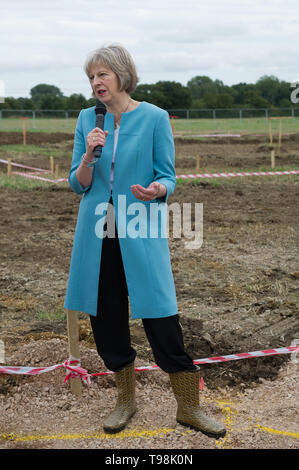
(136, 166)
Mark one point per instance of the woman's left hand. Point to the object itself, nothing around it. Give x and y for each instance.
(153, 191)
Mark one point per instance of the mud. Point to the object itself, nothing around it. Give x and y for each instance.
(34, 138)
(215, 153)
(237, 293)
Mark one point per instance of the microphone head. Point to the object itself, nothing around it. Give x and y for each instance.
(100, 108)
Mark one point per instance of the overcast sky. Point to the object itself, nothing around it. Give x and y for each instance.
(233, 40)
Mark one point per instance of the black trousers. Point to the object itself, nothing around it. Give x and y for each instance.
(111, 325)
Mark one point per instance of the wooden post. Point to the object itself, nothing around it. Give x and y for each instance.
(197, 162)
(52, 164)
(270, 131)
(56, 171)
(73, 339)
(279, 136)
(24, 129)
(272, 158)
(24, 132)
(9, 167)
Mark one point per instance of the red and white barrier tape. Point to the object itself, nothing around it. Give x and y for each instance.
(24, 166)
(195, 176)
(229, 175)
(71, 365)
(188, 176)
(210, 135)
(35, 177)
(74, 370)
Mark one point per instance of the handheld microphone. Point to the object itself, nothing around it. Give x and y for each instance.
(100, 115)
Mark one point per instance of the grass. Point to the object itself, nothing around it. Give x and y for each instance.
(22, 151)
(58, 315)
(184, 126)
(234, 126)
(34, 149)
(19, 182)
(41, 125)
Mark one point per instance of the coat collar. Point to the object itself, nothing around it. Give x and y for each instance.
(125, 117)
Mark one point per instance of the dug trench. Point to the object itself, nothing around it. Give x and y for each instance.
(233, 294)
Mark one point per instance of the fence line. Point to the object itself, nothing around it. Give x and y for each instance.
(68, 116)
(183, 113)
(229, 113)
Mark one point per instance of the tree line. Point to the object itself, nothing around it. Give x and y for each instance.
(200, 92)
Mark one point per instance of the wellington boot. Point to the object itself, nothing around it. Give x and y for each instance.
(185, 386)
(126, 404)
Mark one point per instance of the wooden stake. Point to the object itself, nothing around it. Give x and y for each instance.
(197, 162)
(24, 119)
(24, 131)
(52, 164)
(272, 158)
(9, 167)
(56, 171)
(279, 137)
(73, 339)
(270, 132)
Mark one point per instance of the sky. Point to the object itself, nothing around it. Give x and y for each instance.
(232, 41)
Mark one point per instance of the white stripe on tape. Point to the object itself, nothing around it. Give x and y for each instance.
(77, 371)
(227, 175)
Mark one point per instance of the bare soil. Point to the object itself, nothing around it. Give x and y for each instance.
(237, 293)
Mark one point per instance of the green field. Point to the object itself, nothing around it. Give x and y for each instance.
(183, 127)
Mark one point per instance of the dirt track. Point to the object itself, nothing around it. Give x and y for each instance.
(237, 293)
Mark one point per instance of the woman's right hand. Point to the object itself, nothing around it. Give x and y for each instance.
(96, 137)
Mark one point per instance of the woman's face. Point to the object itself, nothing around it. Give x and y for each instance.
(104, 83)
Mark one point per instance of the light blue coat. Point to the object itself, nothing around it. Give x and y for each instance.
(145, 153)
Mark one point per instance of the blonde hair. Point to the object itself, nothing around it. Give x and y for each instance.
(119, 60)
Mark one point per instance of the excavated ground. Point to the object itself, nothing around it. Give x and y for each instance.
(238, 292)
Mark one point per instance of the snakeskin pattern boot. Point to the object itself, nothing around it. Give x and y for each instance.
(185, 386)
(126, 404)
